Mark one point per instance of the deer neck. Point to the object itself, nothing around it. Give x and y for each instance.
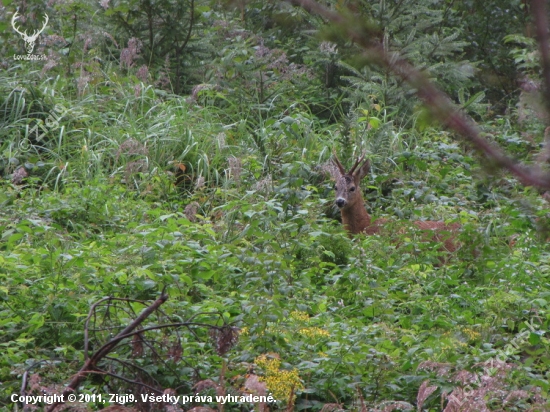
(355, 217)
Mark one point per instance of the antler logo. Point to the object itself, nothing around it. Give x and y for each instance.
(30, 41)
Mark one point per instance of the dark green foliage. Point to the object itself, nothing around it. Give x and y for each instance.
(425, 33)
(328, 249)
(163, 35)
(485, 26)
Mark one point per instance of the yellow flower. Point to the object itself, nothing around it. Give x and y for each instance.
(282, 384)
(313, 332)
(472, 334)
(297, 315)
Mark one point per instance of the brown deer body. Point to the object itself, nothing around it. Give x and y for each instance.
(355, 217)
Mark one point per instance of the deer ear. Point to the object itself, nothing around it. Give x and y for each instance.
(360, 173)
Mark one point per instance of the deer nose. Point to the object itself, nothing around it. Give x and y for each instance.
(340, 202)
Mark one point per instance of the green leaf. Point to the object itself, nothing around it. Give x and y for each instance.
(374, 122)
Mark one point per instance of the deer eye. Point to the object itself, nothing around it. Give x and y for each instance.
(352, 189)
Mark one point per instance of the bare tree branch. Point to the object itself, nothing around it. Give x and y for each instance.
(438, 102)
(90, 364)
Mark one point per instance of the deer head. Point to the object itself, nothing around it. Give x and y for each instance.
(348, 192)
(29, 40)
(349, 198)
(356, 219)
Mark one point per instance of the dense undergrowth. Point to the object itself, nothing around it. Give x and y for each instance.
(226, 205)
(255, 241)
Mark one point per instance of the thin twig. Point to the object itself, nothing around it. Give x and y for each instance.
(129, 365)
(122, 378)
(92, 313)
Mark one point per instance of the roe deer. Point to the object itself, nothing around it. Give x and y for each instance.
(355, 217)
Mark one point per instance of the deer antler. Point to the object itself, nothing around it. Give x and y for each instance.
(336, 161)
(15, 17)
(43, 26)
(359, 160)
(25, 35)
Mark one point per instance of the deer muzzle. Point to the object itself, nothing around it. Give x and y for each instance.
(340, 202)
